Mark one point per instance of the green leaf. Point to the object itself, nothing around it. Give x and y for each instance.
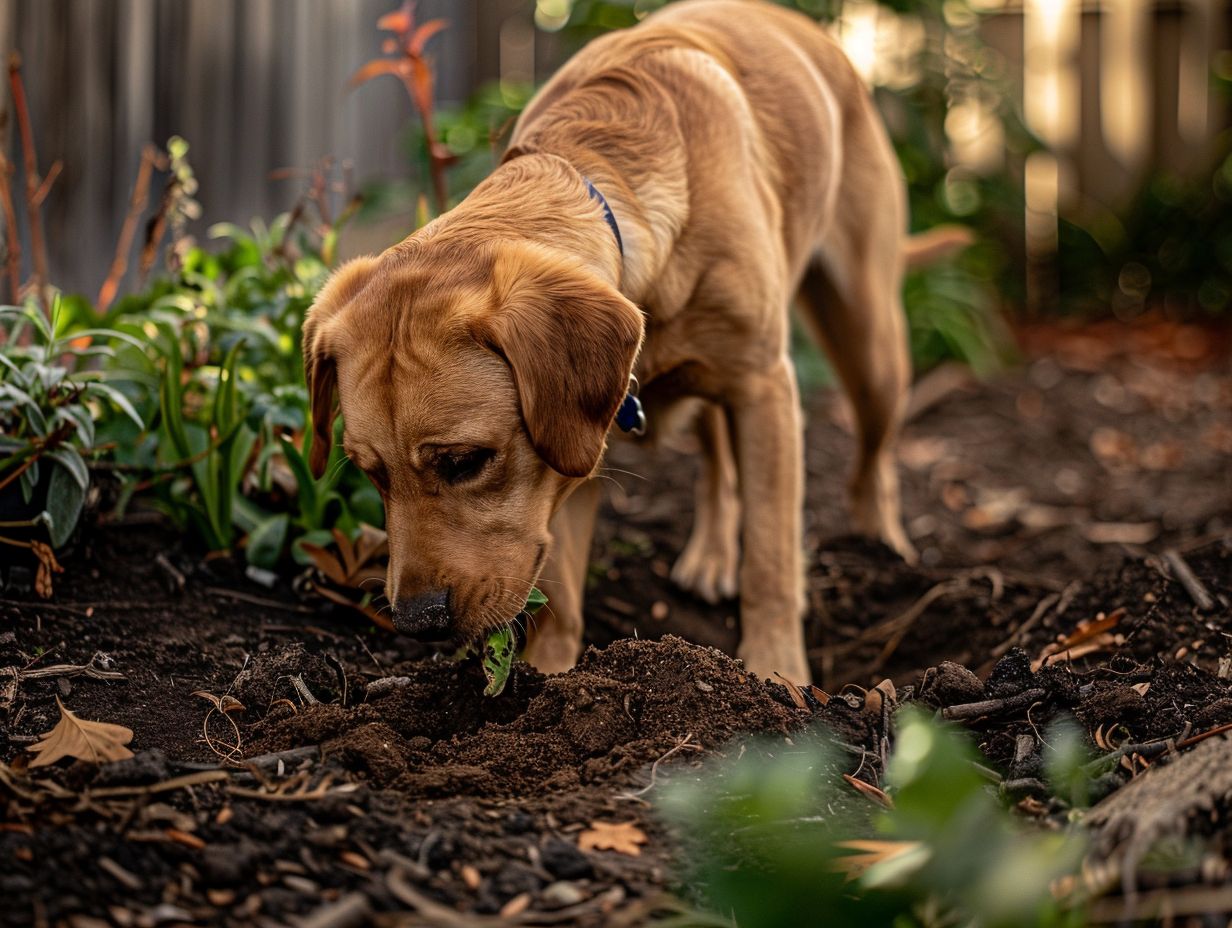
(535, 601)
(65, 499)
(498, 653)
(118, 399)
(62, 343)
(266, 541)
(69, 458)
(310, 505)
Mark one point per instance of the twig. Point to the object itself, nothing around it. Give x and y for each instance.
(686, 742)
(431, 910)
(1196, 900)
(351, 910)
(71, 670)
(151, 158)
(12, 243)
(174, 574)
(1189, 580)
(36, 191)
(258, 600)
(193, 779)
(900, 626)
(974, 710)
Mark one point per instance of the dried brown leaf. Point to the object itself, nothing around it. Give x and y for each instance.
(797, 695)
(878, 796)
(96, 742)
(622, 837)
(870, 854)
(47, 566)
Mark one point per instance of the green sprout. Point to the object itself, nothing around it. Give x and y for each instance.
(500, 648)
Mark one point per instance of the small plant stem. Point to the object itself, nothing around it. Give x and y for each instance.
(12, 243)
(14, 543)
(36, 191)
(25, 466)
(151, 158)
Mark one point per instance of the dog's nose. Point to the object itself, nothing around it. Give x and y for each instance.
(425, 616)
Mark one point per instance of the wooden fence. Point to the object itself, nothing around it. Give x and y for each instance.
(257, 85)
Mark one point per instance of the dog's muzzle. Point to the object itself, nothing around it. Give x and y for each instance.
(425, 616)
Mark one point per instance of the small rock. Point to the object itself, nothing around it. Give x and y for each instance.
(950, 684)
(704, 687)
(1011, 676)
(562, 893)
(386, 685)
(564, 861)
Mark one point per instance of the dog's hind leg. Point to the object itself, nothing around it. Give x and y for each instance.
(710, 562)
(554, 633)
(851, 299)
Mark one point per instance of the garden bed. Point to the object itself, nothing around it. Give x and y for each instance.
(1088, 487)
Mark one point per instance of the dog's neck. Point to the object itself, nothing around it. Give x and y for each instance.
(555, 207)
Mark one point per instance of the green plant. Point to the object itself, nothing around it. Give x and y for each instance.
(778, 838)
(215, 451)
(223, 379)
(49, 401)
(408, 63)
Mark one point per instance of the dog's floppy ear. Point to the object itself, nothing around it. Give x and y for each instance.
(571, 341)
(320, 371)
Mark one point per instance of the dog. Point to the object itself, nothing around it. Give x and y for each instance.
(663, 199)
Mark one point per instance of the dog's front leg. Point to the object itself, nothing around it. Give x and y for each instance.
(554, 639)
(765, 416)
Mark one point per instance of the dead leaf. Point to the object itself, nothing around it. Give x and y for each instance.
(1087, 638)
(1119, 533)
(878, 796)
(797, 695)
(48, 565)
(871, 853)
(622, 837)
(818, 693)
(96, 742)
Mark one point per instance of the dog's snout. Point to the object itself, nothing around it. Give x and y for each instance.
(424, 616)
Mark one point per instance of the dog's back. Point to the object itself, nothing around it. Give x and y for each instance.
(718, 75)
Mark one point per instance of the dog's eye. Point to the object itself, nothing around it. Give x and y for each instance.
(459, 467)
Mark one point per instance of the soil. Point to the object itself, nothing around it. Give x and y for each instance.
(355, 772)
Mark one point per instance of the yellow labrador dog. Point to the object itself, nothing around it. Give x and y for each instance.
(664, 199)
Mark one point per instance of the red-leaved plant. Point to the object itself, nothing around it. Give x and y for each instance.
(409, 65)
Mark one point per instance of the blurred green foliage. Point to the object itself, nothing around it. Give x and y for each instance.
(777, 837)
(1172, 246)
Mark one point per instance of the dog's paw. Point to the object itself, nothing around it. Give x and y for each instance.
(549, 653)
(708, 568)
(767, 658)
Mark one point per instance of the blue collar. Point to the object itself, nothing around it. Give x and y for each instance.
(607, 213)
(630, 417)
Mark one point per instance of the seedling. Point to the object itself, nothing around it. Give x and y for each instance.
(500, 647)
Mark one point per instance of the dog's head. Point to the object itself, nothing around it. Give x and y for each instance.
(477, 386)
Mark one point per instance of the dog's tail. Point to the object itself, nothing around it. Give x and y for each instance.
(937, 243)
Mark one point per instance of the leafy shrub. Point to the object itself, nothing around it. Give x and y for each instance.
(49, 399)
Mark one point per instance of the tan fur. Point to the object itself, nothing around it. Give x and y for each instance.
(745, 163)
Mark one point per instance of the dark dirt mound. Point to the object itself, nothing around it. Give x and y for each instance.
(620, 709)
